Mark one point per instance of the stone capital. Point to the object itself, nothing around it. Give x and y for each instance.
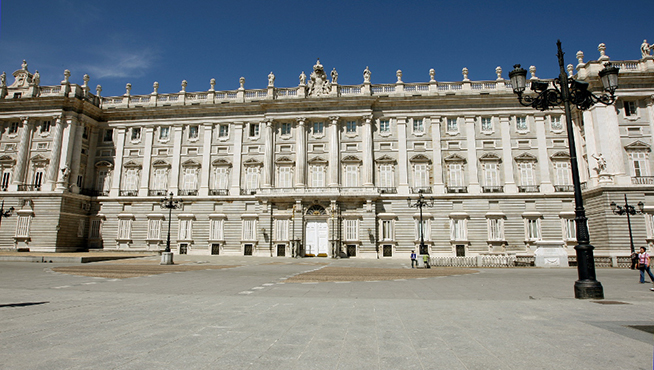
(333, 119)
(301, 120)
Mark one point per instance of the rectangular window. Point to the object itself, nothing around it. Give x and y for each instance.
(521, 123)
(351, 175)
(124, 229)
(418, 127)
(221, 178)
(317, 174)
(351, 127)
(136, 133)
(384, 126)
(154, 229)
(254, 129)
(193, 132)
(629, 108)
(85, 133)
(223, 131)
(23, 226)
(318, 128)
(38, 178)
(456, 175)
(6, 179)
(491, 174)
(104, 181)
(555, 123)
(526, 174)
(562, 173)
(452, 125)
(351, 230)
(569, 229)
(386, 230)
(160, 179)
(281, 229)
(190, 178)
(80, 228)
(533, 229)
(495, 229)
(185, 229)
(421, 175)
(458, 229)
(486, 124)
(94, 230)
(284, 177)
(164, 133)
(216, 229)
(286, 129)
(249, 229)
(252, 178)
(45, 126)
(108, 135)
(13, 128)
(386, 176)
(422, 229)
(639, 162)
(131, 179)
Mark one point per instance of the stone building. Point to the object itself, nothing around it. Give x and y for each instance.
(322, 169)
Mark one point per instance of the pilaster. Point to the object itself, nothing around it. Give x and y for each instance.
(403, 161)
(89, 177)
(23, 151)
(268, 154)
(118, 166)
(177, 156)
(471, 142)
(235, 186)
(334, 152)
(66, 155)
(55, 153)
(301, 150)
(206, 159)
(76, 156)
(437, 167)
(147, 161)
(367, 152)
(510, 186)
(543, 159)
(608, 142)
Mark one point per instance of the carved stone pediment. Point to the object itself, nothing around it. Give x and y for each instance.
(386, 159)
(7, 160)
(420, 158)
(22, 77)
(252, 162)
(160, 163)
(317, 161)
(454, 158)
(560, 156)
(221, 163)
(526, 157)
(190, 163)
(490, 157)
(351, 159)
(638, 145)
(284, 161)
(104, 164)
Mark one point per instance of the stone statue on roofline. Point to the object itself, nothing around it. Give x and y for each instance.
(646, 49)
(318, 82)
(334, 76)
(271, 79)
(601, 163)
(366, 75)
(303, 78)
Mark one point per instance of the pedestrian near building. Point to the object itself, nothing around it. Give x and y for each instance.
(425, 259)
(414, 260)
(643, 265)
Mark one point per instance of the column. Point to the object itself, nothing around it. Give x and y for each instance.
(471, 142)
(543, 159)
(235, 187)
(177, 156)
(301, 150)
(334, 151)
(118, 166)
(53, 167)
(268, 154)
(605, 120)
(89, 181)
(67, 143)
(205, 177)
(507, 157)
(367, 152)
(439, 186)
(23, 152)
(402, 160)
(590, 131)
(76, 156)
(147, 161)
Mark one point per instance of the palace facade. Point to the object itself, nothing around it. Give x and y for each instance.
(322, 169)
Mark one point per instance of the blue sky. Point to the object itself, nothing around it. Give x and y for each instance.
(168, 41)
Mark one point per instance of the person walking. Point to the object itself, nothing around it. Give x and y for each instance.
(425, 260)
(643, 265)
(414, 259)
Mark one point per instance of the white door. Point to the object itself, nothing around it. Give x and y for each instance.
(317, 238)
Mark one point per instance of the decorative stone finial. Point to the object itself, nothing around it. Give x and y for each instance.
(532, 70)
(184, 83)
(464, 71)
(580, 57)
(86, 79)
(242, 82)
(498, 72)
(128, 89)
(366, 75)
(303, 79)
(271, 79)
(571, 70)
(432, 75)
(66, 76)
(212, 83)
(98, 90)
(602, 49)
(399, 76)
(155, 87)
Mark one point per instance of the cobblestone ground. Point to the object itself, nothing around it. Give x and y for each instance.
(373, 274)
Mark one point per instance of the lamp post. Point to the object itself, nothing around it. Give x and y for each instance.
(170, 204)
(568, 91)
(629, 210)
(5, 212)
(420, 203)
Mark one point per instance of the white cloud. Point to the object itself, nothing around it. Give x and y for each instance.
(118, 62)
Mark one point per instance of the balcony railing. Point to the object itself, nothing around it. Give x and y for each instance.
(218, 192)
(248, 191)
(642, 180)
(387, 190)
(421, 189)
(493, 189)
(25, 187)
(129, 193)
(187, 192)
(157, 192)
(564, 188)
(457, 189)
(528, 188)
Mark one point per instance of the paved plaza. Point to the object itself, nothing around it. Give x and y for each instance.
(210, 312)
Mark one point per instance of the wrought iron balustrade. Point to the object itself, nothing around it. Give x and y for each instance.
(564, 188)
(457, 189)
(29, 187)
(387, 190)
(642, 180)
(129, 193)
(158, 192)
(493, 189)
(187, 192)
(421, 189)
(528, 188)
(218, 192)
(248, 191)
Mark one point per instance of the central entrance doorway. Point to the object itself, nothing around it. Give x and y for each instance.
(317, 239)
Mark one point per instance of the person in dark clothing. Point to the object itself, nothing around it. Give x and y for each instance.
(414, 259)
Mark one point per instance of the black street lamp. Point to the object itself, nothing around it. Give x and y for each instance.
(629, 210)
(5, 212)
(170, 204)
(570, 91)
(421, 202)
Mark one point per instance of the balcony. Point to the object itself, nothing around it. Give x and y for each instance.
(642, 180)
(387, 190)
(248, 191)
(129, 193)
(157, 192)
(457, 189)
(493, 189)
(25, 187)
(421, 189)
(564, 188)
(528, 188)
(187, 192)
(218, 192)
